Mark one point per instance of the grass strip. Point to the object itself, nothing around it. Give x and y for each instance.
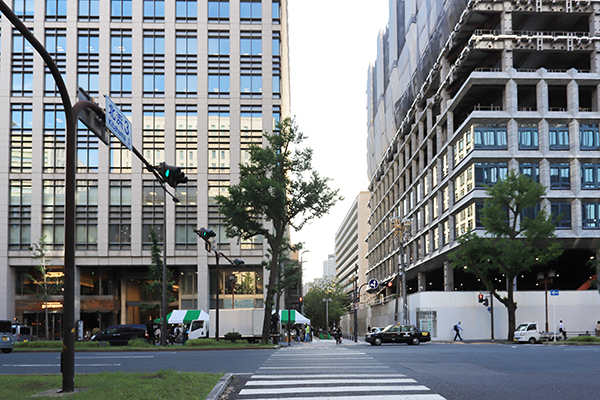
(164, 384)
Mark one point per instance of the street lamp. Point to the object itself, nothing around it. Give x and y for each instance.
(327, 300)
(402, 228)
(301, 288)
(545, 277)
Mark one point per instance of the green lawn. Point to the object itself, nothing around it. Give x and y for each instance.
(164, 384)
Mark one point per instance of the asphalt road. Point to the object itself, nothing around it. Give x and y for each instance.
(465, 371)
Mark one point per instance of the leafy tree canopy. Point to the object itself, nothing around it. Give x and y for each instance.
(278, 189)
(512, 242)
(314, 306)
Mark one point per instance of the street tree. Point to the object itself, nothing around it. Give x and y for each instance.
(153, 285)
(49, 283)
(315, 308)
(277, 190)
(514, 239)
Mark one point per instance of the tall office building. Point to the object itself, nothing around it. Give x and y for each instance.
(200, 81)
(461, 93)
(329, 267)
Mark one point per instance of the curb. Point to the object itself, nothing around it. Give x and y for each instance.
(220, 387)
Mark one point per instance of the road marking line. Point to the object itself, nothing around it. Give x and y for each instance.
(362, 367)
(379, 397)
(255, 376)
(112, 357)
(326, 381)
(341, 389)
(58, 365)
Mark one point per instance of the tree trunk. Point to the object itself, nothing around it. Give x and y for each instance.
(511, 307)
(271, 288)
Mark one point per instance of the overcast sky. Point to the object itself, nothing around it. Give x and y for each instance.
(332, 43)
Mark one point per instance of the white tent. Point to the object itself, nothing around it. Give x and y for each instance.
(294, 318)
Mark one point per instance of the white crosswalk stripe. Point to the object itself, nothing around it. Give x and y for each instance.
(330, 373)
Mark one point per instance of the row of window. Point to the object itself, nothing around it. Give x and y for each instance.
(494, 136)
(120, 204)
(153, 133)
(153, 10)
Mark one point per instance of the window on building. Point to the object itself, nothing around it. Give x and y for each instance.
(528, 136)
(23, 9)
(153, 133)
(56, 45)
(489, 173)
(86, 201)
(559, 136)
(276, 11)
(120, 10)
(591, 215)
(435, 207)
(186, 138)
(186, 217)
(119, 228)
(218, 11)
(21, 138)
(21, 66)
(218, 84)
(19, 220)
(445, 198)
(250, 43)
(445, 165)
(88, 60)
(186, 10)
(154, 63)
(530, 212)
(87, 150)
(561, 214)
(463, 146)
(217, 188)
(560, 176)
(89, 10)
(446, 236)
(56, 10)
(120, 156)
(53, 213)
(465, 220)
(55, 126)
(218, 43)
(590, 175)
(464, 183)
(152, 212)
(532, 170)
(154, 10)
(120, 63)
(490, 136)
(251, 130)
(589, 137)
(250, 11)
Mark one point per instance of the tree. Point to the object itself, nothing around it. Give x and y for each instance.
(153, 285)
(278, 190)
(513, 242)
(314, 307)
(49, 284)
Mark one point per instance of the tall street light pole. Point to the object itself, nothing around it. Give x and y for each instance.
(545, 277)
(327, 301)
(301, 280)
(402, 228)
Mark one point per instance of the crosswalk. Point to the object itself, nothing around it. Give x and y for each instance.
(330, 373)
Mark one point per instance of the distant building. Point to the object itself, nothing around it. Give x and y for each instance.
(329, 267)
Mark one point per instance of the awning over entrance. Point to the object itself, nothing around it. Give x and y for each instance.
(294, 318)
(184, 316)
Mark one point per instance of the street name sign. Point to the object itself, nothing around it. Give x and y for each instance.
(117, 123)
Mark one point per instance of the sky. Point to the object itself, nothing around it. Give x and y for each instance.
(332, 43)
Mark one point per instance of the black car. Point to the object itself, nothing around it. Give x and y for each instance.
(408, 334)
(121, 334)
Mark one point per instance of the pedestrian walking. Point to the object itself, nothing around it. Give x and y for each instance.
(157, 335)
(561, 329)
(457, 329)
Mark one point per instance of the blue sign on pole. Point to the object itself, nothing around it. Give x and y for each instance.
(554, 293)
(118, 124)
(373, 284)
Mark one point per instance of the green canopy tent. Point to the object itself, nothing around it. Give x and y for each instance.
(292, 316)
(184, 316)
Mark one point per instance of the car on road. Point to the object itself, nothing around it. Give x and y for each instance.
(121, 334)
(22, 333)
(7, 340)
(398, 333)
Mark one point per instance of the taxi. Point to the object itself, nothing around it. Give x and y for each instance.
(408, 334)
